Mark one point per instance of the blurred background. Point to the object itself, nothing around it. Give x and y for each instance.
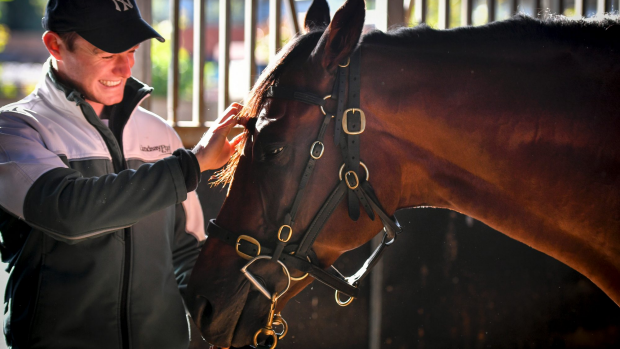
(449, 281)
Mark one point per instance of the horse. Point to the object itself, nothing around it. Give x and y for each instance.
(514, 123)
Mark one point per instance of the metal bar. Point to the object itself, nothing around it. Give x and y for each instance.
(142, 68)
(466, 7)
(420, 10)
(601, 5)
(390, 13)
(223, 96)
(579, 8)
(275, 7)
(408, 6)
(538, 9)
(444, 14)
(376, 299)
(561, 7)
(381, 10)
(173, 71)
(291, 6)
(198, 105)
(249, 40)
(514, 7)
(396, 13)
(490, 11)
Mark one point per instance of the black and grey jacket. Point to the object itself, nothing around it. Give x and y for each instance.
(99, 224)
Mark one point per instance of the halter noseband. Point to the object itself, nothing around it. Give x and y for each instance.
(349, 124)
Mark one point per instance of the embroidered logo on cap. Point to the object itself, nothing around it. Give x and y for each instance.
(126, 4)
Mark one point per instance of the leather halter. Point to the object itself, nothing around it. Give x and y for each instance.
(349, 124)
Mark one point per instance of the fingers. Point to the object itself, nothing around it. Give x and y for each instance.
(238, 138)
(229, 118)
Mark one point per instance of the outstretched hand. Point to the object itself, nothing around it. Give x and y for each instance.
(214, 149)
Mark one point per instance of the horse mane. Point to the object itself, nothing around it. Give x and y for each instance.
(298, 47)
(517, 31)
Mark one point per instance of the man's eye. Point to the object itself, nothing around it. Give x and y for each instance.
(107, 57)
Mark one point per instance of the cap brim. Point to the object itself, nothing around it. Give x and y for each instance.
(120, 37)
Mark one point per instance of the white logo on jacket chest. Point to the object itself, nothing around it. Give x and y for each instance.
(126, 4)
(161, 148)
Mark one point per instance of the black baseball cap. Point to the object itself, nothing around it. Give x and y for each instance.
(113, 26)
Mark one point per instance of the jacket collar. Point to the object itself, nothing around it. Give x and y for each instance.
(119, 114)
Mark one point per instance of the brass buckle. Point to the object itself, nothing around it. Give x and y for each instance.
(250, 240)
(323, 109)
(289, 234)
(357, 180)
(341, 303)
(312, 150)
(346, 64)
(362, 119)
(362, 164)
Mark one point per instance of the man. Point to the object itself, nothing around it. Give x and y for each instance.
(99, 221)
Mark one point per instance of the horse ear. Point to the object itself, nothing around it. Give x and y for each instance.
(342, 35)
(317, 15)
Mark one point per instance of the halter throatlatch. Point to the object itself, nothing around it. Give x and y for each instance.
(350, 123)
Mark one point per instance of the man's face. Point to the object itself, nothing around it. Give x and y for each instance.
(100, 76)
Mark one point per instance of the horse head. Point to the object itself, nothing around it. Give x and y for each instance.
(268, 169)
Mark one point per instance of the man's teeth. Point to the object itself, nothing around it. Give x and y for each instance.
(110, 83)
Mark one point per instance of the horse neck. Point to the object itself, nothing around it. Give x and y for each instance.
(514, 142)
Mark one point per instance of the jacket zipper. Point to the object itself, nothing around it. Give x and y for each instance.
(124, 320)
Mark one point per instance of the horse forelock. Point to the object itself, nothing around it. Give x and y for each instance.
(255, 101)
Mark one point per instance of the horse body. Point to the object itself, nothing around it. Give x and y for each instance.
(499, 138)
(518, 130)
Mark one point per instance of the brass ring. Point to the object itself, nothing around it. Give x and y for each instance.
(341, 303)
(346, 65)
(362, 164)
(267, 332)
(325, 98)
(279, 320)
(303, 276)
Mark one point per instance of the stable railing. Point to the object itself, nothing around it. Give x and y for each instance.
(387, 13)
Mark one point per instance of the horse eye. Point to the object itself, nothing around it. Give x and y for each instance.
(276, 151)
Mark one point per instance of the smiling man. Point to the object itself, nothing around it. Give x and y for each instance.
(99, 219)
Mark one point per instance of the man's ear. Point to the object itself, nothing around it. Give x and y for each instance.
(53, 42)
(341, 36)
(317, 15)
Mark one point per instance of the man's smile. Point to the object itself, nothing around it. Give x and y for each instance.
(110, 83)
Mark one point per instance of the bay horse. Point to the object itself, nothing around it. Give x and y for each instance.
(515, 124)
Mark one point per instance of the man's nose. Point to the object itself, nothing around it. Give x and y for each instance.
(123, 66)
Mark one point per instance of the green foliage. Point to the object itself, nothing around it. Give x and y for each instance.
(39, 5)
(8, 91)
(161, 57)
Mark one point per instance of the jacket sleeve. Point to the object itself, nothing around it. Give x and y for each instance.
(38, 187)
(189, 234)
